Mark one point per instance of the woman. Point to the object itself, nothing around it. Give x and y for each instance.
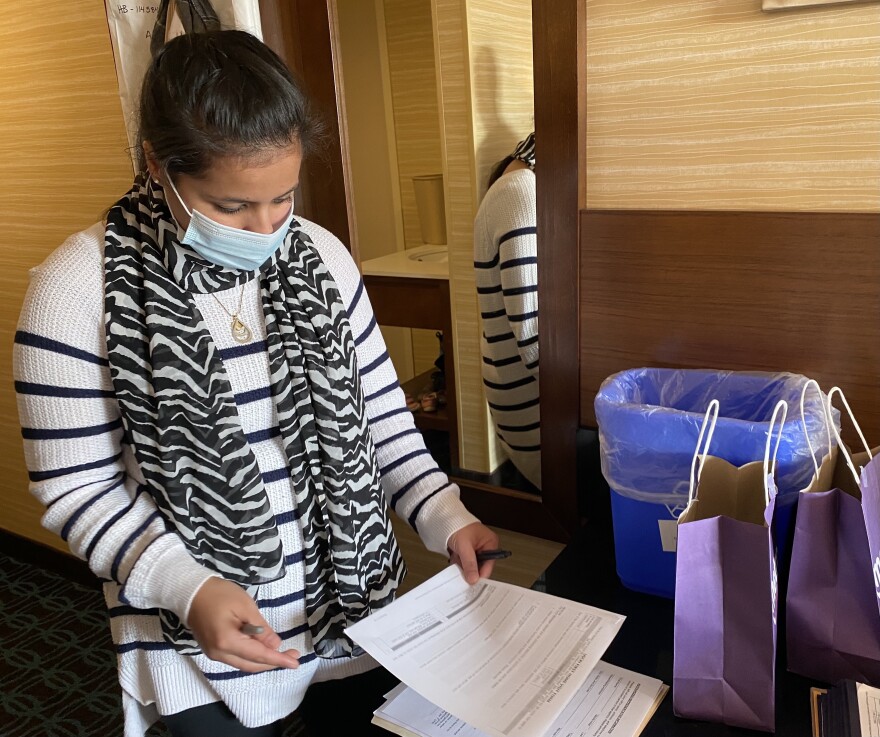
(506, 262)
(212, 421)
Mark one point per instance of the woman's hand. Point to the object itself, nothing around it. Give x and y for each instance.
(463, 547)
(216, 615)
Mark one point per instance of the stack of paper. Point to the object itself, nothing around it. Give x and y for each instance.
(849, 709)
(505, 660)
(612, 701)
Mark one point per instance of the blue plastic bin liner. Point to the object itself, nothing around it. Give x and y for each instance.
(649, 420)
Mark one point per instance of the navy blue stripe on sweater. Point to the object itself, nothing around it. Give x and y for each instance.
(71, 521)
(390, 413)
(403, 459)
(498, 338)
(254, 395)
(517, 232)
(289, 560)
(281, 600)
(523, 317)
(511, 385)
(411, 431)
(120, 554)
(412, 482)
(375, 364)
(367, 332)
(521, 428)
(67, 433)
(58, 472)
(356, 298)
(514, 407)
(287, 634)
(527, 341)
(234, 674)
(65, 392)
(502, 361)
(112, 521)
(384, 390)
(532, 365)
(277, 474)
(259, 436)
(487, 264)
(240, 351)
(490, 315)
(489, 290)
(33, 340)
(516, 291)
(412, 519)
(285, 518)
(127, 647)
(130, 611)
(514, 262)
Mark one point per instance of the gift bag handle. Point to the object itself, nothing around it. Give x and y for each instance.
(702, 450)
(849, 462)
(770, 469)
(826, 411)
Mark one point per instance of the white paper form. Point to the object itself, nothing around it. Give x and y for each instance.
(869, 710)
(503, 658)
(612, 701)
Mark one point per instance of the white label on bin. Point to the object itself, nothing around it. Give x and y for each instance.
(668, 534)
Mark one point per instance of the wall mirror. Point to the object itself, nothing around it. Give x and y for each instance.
(426, 92)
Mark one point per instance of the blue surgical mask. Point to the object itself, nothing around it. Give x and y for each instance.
(231, 247)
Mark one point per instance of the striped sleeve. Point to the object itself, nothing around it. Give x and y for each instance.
(514, 231)
(417, 490)
(73, 437)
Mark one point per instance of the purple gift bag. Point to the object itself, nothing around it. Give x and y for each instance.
(832, 618)
(725, 591)
(870, 487)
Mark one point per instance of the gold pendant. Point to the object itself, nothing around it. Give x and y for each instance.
(240, 331)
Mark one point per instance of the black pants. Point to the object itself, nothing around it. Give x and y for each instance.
(341, 708)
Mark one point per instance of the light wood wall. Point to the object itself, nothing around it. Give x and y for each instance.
(708, 104)
(64, 161)
(409, 39)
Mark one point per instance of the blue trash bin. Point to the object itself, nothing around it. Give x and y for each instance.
(649, 420)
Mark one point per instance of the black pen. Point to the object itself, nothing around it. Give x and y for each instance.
(484, 555)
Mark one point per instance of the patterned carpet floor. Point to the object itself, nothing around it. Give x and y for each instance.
(57, 665)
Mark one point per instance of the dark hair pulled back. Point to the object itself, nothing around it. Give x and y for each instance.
(217, 94)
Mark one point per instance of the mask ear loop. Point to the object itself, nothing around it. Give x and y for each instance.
(709, 420)
(849, 462)
(180, 199)
(770, 468)
(828, 420)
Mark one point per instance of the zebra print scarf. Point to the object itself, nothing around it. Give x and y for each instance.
(181, 421)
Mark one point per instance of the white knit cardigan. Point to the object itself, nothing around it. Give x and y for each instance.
(86, 476)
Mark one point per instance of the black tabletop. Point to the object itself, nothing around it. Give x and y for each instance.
(584, 572)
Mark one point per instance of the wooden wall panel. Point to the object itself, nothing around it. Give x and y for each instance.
(64, 161)
(733, 290)
(701, 104)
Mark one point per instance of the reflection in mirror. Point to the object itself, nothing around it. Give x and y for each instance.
(506, 265)
(417, 274)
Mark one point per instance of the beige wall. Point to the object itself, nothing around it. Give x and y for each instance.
(710, 104)
(409, 39)
(64, 161)
(374, 185)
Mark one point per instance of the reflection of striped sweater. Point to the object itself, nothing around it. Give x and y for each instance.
(86, 476)
(505, 257)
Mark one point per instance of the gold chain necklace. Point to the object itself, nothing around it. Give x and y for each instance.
(240, 332)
